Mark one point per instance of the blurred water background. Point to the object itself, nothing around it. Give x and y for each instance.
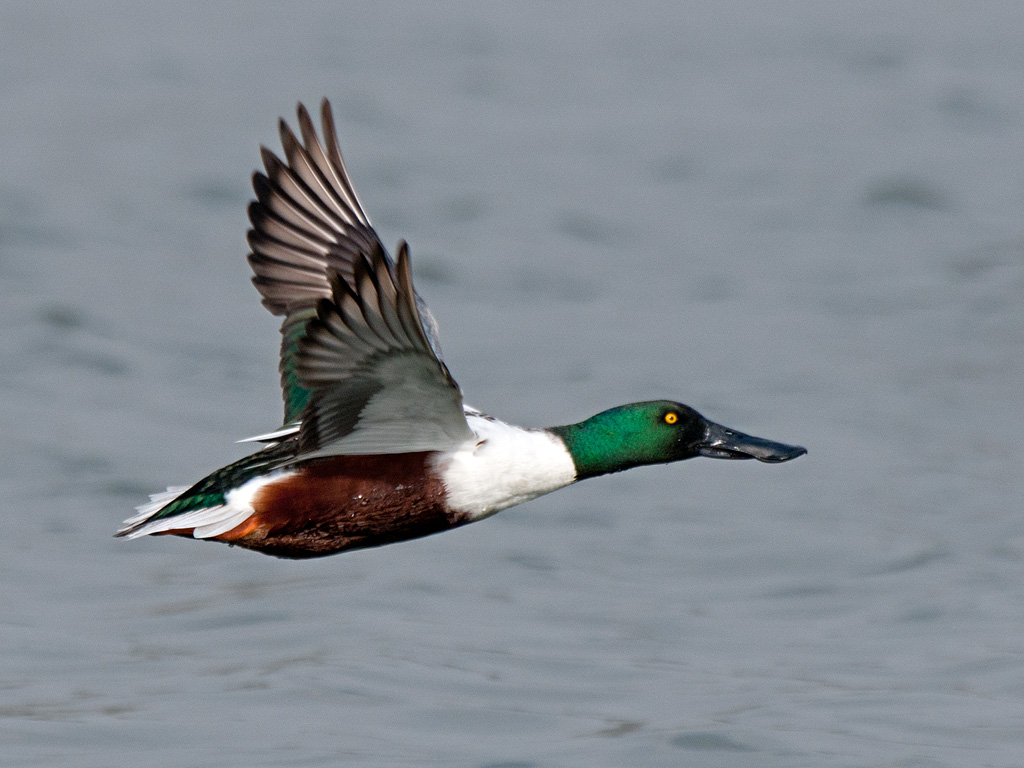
(804, 219)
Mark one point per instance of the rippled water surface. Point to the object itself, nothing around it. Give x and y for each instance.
(804, 220)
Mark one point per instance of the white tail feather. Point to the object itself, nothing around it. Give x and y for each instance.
(157, 501)
(205, 523)
(186, 520)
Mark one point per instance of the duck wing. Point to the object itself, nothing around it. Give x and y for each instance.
(308, 230)
(375, 381)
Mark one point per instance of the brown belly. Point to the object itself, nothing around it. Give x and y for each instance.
(347, 502)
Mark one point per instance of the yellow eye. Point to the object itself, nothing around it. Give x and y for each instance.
(671, 417)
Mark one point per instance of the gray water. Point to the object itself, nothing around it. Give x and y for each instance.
(803, 219)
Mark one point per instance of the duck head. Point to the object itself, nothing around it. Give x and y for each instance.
(660, 432)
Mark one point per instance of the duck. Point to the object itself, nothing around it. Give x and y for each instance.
(377, 445)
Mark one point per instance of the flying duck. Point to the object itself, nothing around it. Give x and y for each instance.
(377, 445)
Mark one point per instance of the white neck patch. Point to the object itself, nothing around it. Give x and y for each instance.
(503, 465)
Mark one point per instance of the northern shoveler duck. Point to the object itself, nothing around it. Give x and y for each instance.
(377, 445)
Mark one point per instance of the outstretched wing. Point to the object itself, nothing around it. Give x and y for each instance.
(376, 385)
(307, 226)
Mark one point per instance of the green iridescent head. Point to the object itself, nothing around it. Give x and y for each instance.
(659, 432)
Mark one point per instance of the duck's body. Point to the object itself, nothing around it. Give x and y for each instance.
(377, 445)
(278, 503)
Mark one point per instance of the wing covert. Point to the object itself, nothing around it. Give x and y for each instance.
(376, 384)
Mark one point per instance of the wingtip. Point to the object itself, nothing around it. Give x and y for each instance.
(270, 161)
(330, 135)
(302, 113)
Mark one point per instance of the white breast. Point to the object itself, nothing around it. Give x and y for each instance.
(502, 466)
